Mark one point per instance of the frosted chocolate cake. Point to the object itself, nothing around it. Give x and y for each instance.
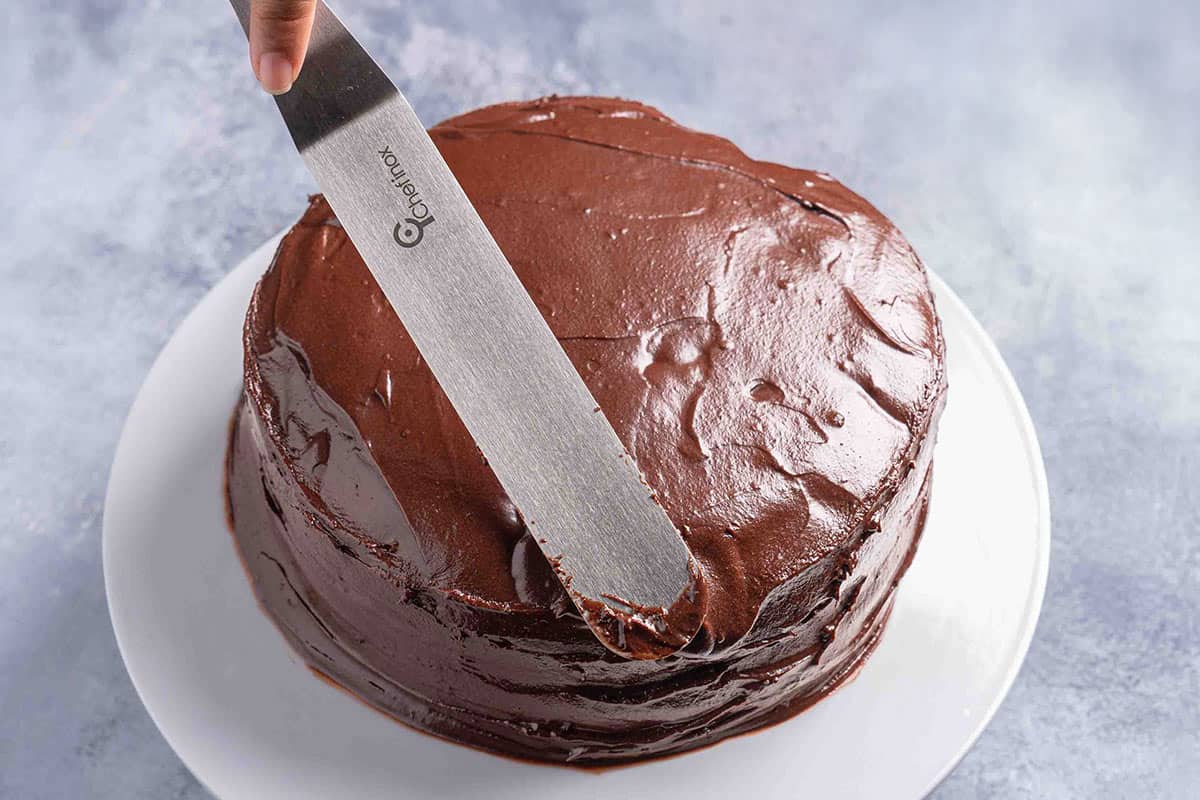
(763, 341)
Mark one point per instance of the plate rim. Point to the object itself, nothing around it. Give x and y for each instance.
(945, 295)
(1033, 449)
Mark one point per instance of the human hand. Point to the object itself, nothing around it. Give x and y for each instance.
(279, 31)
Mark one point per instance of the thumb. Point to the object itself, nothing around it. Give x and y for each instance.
(279, 31)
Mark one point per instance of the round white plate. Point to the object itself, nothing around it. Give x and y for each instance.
(251, 721)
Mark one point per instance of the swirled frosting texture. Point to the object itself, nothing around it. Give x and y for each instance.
(762, 340)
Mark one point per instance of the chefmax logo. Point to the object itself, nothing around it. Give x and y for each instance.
(411, 230)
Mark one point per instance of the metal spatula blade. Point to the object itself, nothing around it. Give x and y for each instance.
(621, 560)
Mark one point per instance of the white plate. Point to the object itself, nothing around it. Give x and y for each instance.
(251, 721)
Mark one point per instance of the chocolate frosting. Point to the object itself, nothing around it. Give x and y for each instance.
(763, 342)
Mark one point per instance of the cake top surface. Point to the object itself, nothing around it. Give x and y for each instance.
(762, 340)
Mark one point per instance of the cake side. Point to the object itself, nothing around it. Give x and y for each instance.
(763, 342)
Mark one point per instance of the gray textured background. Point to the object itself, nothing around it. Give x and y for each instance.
(1044, 158)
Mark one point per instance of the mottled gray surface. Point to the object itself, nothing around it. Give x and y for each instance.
(1044, 158)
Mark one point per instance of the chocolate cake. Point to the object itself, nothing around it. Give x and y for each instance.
(764, 343)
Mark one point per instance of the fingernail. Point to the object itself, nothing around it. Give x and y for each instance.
(275, 72)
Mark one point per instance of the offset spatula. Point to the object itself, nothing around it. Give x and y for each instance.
(621, 559)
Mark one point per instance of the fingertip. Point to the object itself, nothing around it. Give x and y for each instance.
(275, 72)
